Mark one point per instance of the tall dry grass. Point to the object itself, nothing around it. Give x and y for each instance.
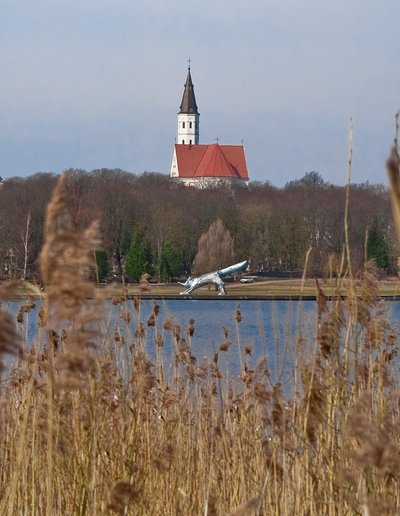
(82, 435)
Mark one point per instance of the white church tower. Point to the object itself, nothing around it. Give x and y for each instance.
(188, 116)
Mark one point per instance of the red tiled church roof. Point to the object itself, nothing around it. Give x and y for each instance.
(197, 161)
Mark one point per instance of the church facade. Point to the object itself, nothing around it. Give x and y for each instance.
(203, 165)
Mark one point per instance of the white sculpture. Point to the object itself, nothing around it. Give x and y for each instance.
(213, 278)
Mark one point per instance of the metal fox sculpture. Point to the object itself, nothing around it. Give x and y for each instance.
(213, 278)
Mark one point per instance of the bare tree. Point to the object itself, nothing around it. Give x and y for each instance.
(26, 239)
(215, 249)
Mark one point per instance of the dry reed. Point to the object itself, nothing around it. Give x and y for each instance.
(92, 425)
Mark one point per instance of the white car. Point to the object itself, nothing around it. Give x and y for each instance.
(247, 279)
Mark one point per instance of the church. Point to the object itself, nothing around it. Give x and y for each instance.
(203, 165)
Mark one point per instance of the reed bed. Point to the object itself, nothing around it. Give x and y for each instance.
(82, 435)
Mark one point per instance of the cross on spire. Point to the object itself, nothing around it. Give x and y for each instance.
(189, 61)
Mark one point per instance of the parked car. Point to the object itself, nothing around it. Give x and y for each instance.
(247, 279)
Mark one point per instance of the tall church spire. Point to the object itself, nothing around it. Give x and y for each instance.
(188, 104)
(188, 116)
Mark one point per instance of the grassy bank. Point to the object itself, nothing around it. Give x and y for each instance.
(270, 289)
(91, 425)
(295, 288)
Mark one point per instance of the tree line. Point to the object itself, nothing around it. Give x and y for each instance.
(149, 223)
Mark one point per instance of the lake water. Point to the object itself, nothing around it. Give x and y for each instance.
(268, 328)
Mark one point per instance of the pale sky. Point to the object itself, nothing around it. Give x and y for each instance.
(98, 83)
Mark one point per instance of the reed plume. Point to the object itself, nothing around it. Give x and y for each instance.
(9, 338)
(393, 169)
(10, 341)
(66, 257)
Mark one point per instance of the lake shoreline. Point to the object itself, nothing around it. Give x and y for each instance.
(279, 290)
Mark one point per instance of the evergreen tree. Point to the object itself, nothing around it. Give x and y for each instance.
(377, 249)
(101, 264)
(138, 259)
(171, 262)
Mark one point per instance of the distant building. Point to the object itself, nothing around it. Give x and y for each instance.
(203, 165)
